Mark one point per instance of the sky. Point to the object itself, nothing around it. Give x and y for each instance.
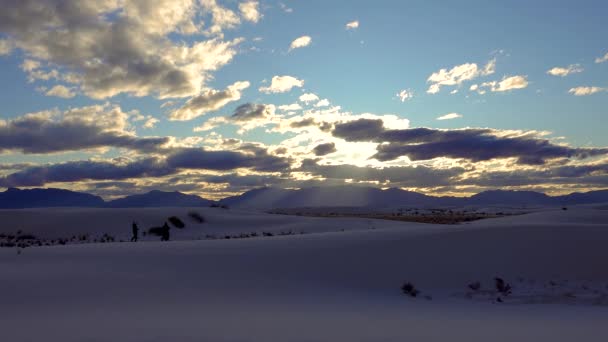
(215, 98)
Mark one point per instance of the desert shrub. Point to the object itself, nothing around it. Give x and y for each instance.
(177, 222)
(163, 232)
(409, 289)
(502, 286)
(196, 217)
(26, 237)
(476, 286)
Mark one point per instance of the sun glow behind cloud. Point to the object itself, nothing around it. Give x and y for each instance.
(172, 94)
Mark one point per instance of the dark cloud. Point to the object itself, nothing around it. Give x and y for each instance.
(324, 149)
(406, 176)
(472, 143)
(252, 111)
(84, 128)
(303, 123)
(251, 157)
(86, 170)
(359, 130)
(257, 159)
(595, 175)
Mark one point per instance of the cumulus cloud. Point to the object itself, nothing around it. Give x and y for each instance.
(282, 84)
(247, 116)
(5, 47)
(300, 42)
(352, 25)
(405, 95)
(308, 97)
(150, 123)
(324, 149)
(450, 116)
(209, 100)
(106, 48)
(565, 71)
(506, 84)
(602, 59)
(249, 11)
(475, 144)
(290, 107)
(251, 157)
(76, 129)
(256, 158)
(584, 91)
(322, 103)
(222, 18)
(61, 91)
(458, 74)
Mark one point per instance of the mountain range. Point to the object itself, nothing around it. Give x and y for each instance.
(270, 197)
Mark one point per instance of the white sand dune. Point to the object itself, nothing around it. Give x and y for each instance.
(328, 286)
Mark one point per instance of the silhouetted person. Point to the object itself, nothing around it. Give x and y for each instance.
(165, 233)
(135, 232)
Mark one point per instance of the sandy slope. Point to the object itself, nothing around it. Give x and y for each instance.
(335, 286)
(65, 222)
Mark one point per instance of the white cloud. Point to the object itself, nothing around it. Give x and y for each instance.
(285, 8)
(150, 123)
(602, 59)
(450, 116)
(563, 72)
(322, 103)
(506, 84)
(290, 107)
(510, 83)
(458, 74)
(308, 97)
(352, 25)
(405, 95)
(300, 42)
(5, 47)
(584, 91)
(106, 48)
(282, 84)
(61, 91)
(223, 18)
(208, 100)
(249, 11)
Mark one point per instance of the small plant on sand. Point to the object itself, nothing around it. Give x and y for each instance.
(502, 286)
(409, 289)
(476, 286)
(175, 221)
(196, 217)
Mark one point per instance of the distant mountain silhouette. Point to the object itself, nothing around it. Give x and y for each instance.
(353, 196)
(14, 198)
(510, 198)
(156, 198)
(271, 197)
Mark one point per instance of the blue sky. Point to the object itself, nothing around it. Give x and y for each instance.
(496, 59)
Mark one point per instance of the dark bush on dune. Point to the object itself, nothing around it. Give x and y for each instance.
(409, 289)
(176, 222)
(163, 232)
(502, 286)
(476, 286)
(196, 217)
